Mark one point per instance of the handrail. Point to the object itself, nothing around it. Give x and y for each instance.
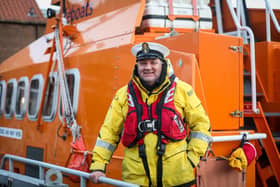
(43, 165)
(255, 136)
(269, 12)
(219, 17)
(252, 56)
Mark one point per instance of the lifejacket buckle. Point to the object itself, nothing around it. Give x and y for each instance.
(147, 126)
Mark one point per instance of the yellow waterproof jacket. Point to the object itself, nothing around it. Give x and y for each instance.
(179, 158)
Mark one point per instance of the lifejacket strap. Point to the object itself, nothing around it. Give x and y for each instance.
(160, 152)
(161, 146)
(142, 154)
(138, 107)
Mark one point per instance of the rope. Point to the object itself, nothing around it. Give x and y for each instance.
(67, 109)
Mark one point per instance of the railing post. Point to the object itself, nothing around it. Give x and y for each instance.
(219, 17)
(41, 173)
(238, 9)
(272, 15)
(267, 20)
(253, 69)
(83, 182)
(11, 165)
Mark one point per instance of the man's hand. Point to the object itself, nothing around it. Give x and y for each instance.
(95, 175)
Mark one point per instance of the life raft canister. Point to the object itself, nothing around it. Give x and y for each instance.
(156, 14)
(160, 115)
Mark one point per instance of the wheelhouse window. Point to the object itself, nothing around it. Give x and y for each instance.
(35, 96)
(21, 97)
(50, 100)
(2, 96)
(10, 98)
(73, 81)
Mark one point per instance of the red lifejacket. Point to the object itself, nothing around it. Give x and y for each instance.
(159, 117)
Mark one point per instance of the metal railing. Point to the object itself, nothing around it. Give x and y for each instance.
(236, 20)
(42, 166)
(242, 27)
(252, 52)
(269, 13)
(255, 136)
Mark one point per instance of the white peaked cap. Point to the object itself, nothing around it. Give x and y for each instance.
(152, 47)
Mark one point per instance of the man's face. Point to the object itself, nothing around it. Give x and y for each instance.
(149, 70)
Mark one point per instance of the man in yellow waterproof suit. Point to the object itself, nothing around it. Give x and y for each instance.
(149, 116)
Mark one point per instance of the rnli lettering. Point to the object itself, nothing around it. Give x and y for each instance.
(78, 13)
(11, 133)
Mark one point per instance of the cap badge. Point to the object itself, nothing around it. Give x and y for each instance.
(145, 48)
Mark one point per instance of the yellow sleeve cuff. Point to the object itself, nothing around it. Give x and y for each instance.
(97, 166)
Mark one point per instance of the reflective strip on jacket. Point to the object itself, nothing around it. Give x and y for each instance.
(179, 158)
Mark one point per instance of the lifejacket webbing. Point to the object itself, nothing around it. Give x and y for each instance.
(161, 145)
(139, 109)
(160, 152)
(142, 154)
(142, 151)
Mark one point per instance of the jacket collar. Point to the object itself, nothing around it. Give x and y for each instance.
(157, 90)
(160, 88)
